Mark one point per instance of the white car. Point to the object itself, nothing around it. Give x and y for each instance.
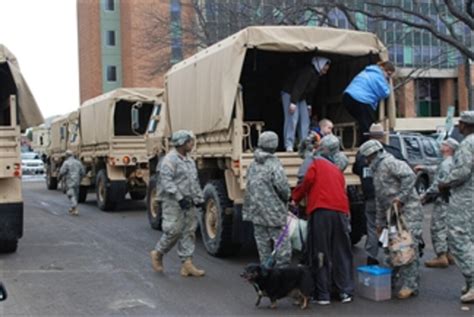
(31, 163)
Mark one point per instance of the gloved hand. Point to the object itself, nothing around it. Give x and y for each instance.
(199, 205)
(185, 203)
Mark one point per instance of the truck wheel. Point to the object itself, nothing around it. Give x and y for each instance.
(83, 190)
(8, 246)
(153, 207)
(216, 220)
(358, 221)
(51, 182)
(106, 191)
(137, 195)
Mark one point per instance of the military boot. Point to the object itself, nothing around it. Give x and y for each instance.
(451, 259)
(75, 211)
(440, 261)
(468, 297)
(405, 293)
(188, 269)
(157, 260)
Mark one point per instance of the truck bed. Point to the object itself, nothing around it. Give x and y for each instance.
(291, 163)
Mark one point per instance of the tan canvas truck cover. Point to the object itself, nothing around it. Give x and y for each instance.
(55, 145)
(29, 113)
(202, 107)
(96, 115)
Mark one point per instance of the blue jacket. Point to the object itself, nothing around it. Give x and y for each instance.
(369, 86)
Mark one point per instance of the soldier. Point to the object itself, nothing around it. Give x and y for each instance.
(460, 183)
(329, 147)
(361, 168)
(394, 183)
(73, 171)
(180, 194)
(266, 200)
(439, 229)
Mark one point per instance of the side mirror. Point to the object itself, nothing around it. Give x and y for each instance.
(3, 293)
(135, 118)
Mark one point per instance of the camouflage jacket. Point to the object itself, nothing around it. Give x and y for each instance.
(268, 192)
(341, 161)
(395, 179)
(73, 171)
(461, 177)
(441, 172)
(179, 178)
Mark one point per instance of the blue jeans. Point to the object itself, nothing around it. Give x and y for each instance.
(299, 119)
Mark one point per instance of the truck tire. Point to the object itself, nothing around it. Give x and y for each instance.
(358, 221)
(8, 246)
(51, 182)
(216, 220)
(83, 190)
(153, 207)
(108, 193)
(137, 195)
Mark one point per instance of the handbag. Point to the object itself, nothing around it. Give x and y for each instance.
(401, 246)
(298, 232)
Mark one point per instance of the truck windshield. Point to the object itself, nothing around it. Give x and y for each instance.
(123, 118)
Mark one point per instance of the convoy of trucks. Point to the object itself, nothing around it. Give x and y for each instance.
(18, 111)
(227, 95)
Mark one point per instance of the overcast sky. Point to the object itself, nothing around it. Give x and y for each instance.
(42, 34)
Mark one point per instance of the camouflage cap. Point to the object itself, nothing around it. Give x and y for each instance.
(330, 142)
(452, 143)
(69, 153)
(467, 117)
(179, 138)
(370, 147)
(268, 141)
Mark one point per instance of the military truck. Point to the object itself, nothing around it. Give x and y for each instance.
(230, 92)
(112, 144)
(64, 135)
(18, 111)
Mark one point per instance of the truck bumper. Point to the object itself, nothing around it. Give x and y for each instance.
(11, 221)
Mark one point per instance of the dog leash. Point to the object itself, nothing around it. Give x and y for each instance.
(270, 261)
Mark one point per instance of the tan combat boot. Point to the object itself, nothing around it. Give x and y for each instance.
(189, 269)
(75, 211)
(405, 293)
(468, 297)
(451, 259)
(439, 262)
(157, 260)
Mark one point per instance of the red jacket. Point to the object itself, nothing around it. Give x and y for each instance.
(324, 187)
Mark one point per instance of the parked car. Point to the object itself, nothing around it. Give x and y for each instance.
(418, 149)
(31, 163)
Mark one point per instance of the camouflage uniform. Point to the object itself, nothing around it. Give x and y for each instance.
(438, 228)
(460, 215)
(178, 180)
(73, 171)
(309, 144)
(341, 161)
(266, 200)
(395, 179)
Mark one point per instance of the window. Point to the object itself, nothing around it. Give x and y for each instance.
(412, 147)
(395, 142)
(430, 148)
(109, 5)
(111, 73)
(153, 124)
(110, 38)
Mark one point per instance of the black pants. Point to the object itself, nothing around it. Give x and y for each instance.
(330, 253)
(363, 113)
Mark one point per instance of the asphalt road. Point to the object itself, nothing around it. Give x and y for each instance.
(97, 264)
